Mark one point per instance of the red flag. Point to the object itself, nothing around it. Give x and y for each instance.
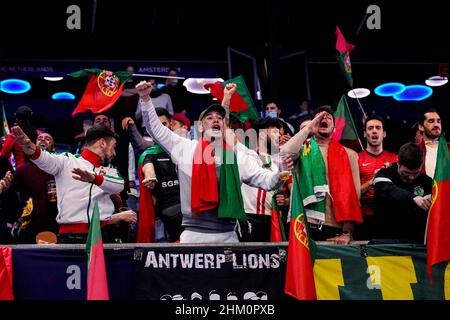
(103, 89)
(241, 103)
(97, 284)
(6, 274)
(438, 235)
(276, 234)
(299, 281)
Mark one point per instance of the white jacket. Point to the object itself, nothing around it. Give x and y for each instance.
(182, 153)
(73, 195)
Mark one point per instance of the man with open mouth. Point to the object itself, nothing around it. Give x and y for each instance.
(370, 161)
(210, 170)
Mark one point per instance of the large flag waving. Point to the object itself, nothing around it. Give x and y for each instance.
(343, 57)
(97, 284)
(6, 274)
(241, 104)
(103, 89)
(345, 131)
(299, 281)
(438, 235)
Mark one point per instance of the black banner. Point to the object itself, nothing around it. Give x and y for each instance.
(210, 273)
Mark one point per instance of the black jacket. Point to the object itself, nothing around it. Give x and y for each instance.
(396, 214)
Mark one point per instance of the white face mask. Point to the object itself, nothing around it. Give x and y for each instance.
(272, 114)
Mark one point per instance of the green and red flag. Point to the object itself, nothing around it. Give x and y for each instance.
(277, 233)
(146, 225)
(241, 104)
(6, 274)
(343, 57)
(5, 127)
(231, 204)
(97, 284)
(345, 129)
(299, 281)
(102, 91)
(438, 235)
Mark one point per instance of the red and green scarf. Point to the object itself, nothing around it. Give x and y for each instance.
(206, 192)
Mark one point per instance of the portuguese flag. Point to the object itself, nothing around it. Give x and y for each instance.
(438, 234)
(241, 104)
(299, 281)
(345, 131)
(97, 284)
(146, 223)
(103, 89)
(343, 57)
(5, 127)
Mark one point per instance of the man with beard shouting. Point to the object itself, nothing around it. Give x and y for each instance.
(333, 170)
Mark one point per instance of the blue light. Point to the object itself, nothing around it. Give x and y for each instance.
(63, 96)
(414, 93)
(14, 86)
(159, 86)
(389, 89)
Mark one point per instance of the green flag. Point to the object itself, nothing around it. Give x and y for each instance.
(231, 204)
(345, 127)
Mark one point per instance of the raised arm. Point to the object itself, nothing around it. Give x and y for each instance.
(164, 136)
(295, 143)
(136, 139)
(50, 163)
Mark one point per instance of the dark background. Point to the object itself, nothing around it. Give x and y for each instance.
(194, 36)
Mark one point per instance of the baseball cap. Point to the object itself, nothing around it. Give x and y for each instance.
(23, 111)
(182, 118)
(214, 107)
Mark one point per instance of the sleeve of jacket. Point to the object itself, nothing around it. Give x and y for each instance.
(110, 182)
(49, 162)
(136, 139)
(252, 173)
(386, 189)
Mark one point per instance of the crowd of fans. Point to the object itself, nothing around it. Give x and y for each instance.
(158, 177)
